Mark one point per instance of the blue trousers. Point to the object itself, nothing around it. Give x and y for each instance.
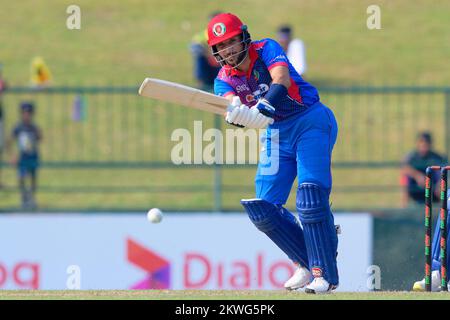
(299, 146)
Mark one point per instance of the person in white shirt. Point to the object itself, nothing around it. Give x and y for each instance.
(294, 48)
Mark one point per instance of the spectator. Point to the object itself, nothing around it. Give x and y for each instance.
(40, 73)
(294, 49)
(414, 167)
(2, 124)
(28, 136)
(205, 65)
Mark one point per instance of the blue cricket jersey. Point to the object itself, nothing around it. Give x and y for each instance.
(254, 84)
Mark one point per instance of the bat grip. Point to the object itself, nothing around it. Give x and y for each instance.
(235, 103)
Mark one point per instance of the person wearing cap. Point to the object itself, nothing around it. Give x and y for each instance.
(413, 170)
(27, 136)
(265, 92)
(294, 48)
(436, 256)
(3, 87)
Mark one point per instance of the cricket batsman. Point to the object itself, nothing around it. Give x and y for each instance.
(265, 91)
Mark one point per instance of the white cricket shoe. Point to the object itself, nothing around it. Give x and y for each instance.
(435, 283)
(319, 285)
(301, 278)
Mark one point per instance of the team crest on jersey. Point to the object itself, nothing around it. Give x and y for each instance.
(242, 88)
(219, 29)
(249, 98)
(262, 88)
(316, 272)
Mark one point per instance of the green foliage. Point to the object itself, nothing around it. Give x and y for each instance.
(123, 41)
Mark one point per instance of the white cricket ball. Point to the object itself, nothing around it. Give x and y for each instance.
(154, 215)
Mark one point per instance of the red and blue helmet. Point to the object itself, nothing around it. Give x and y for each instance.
(224, 26)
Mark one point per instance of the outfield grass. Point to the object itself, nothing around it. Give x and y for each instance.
(122, 128)
(175, 189)
(214, 295)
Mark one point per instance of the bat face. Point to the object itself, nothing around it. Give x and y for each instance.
(183, 95)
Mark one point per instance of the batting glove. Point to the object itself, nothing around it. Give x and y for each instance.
(258, 120)
(265, 108)
(234, 111)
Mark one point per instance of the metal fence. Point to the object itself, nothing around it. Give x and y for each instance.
(106, 148)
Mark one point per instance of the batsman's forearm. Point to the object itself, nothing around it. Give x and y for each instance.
(8, 144)
(281, 81)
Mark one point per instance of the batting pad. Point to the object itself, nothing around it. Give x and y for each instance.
(436, 247)
(320, 233)
(280, 226)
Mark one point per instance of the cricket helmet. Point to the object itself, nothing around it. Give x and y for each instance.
(225, 26)
(27, 107)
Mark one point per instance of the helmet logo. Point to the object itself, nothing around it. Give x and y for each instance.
(219, 29)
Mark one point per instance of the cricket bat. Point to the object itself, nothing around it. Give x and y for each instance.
(183, 95)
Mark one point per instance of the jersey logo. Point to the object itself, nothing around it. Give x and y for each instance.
(263, 88)
(281, 57)
(249, 98)
(219, 29)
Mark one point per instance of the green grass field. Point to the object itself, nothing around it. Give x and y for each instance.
(213, 295)
(372, 128)
(120, 43)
